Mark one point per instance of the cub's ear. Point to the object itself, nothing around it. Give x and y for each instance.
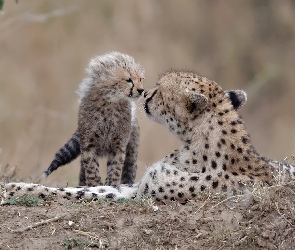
(238, 97)
(195, 101)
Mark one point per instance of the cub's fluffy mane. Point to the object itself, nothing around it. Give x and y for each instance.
(104, 68)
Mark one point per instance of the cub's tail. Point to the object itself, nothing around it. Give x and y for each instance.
(69, 152)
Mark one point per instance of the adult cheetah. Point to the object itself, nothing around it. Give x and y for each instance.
(216, 152)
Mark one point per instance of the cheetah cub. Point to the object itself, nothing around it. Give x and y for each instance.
(107, 123)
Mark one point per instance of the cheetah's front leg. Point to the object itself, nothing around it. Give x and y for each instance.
(114, 169)
(130, 164)
(90, 166)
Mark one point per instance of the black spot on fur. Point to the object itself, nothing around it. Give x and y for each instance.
(192, 189)
(43, 196)
(146, 189)
(245, 140)
(80, 194)
(203, 169)
(214, 164)
(242, 170)
(224, 167)
(226, 176)
(205, 158)
(215, 184)
(161, 189)
(203, 188)
(217, 154)
(208, 177)
(224, 188)
(180, 195)
(235, 173)
(194, 178)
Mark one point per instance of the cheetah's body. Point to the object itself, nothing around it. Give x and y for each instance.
(216, 153)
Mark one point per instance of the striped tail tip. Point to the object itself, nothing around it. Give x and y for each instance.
(45, 174)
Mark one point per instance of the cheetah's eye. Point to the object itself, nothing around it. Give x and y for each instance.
(141, 79)
(129, 80)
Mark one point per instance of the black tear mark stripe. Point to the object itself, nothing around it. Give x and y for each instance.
(146, 108)
(131, 90)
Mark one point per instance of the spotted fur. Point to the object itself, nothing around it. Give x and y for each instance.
(216, 153)
(107, 123)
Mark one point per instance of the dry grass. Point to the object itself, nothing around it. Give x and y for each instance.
(263, 217)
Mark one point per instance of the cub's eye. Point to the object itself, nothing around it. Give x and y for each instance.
(141, 79)
(129, 80)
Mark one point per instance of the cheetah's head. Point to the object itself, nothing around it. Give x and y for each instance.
(120, 75)
(180, 97)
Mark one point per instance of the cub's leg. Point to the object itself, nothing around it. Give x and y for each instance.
(90, 167)
(130, 164)
(82, 177)
(114, 168)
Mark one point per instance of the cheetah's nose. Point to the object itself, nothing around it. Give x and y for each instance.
(140, 91)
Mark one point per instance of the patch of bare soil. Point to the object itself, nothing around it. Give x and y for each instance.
(261, 219)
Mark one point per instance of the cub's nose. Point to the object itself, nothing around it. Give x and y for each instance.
(140, 91)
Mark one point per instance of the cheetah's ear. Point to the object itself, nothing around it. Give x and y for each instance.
(238, 97)
(195, 101)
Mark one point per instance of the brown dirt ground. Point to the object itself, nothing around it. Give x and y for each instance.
(261, 219)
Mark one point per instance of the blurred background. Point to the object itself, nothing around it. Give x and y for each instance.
(46, 45)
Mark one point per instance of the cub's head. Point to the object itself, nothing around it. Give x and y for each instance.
(117, 73)
(182, 97)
